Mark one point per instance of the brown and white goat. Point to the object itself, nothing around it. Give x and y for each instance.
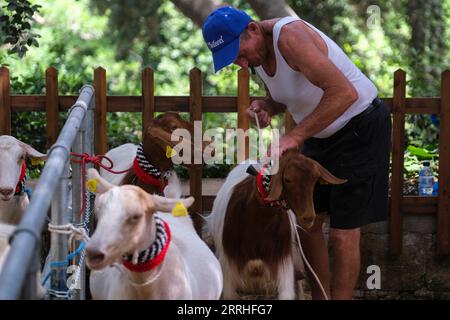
(166, 257)
(255, 242)
(155, 141)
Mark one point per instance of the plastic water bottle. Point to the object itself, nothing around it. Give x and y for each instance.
(435, 188)
(426, 180)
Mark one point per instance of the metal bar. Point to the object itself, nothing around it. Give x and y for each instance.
(30, 288)
(89, 147)
(84, 143)
(27, 234)
(58, 244)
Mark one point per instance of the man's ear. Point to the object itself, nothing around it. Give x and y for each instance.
(252, 27)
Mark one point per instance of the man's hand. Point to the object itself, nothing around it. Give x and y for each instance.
(259, 108)
(286, 143)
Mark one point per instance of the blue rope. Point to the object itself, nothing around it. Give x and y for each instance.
(65, 262)
(56, 264)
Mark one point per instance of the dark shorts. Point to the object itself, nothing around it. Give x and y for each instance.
(359, 152)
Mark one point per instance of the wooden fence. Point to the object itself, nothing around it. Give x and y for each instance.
(196, 104)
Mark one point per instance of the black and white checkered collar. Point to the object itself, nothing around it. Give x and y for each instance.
(154, 254)
(145, 164)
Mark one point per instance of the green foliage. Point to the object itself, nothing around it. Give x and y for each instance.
(15, 25)
(414, 158)
(125, 36)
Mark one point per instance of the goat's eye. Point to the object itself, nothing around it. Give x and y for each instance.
(134, 218)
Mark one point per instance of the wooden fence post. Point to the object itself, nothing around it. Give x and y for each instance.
(289, 123)
(398, 148)
(100, 111)
(5, 102)
(195, 171)
(443, 214)
(148, 98)
(243, 101)
(51, 105)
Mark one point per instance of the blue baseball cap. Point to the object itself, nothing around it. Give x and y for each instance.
(221, 32)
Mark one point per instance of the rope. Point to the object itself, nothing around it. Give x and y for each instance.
(77, 232)
(147, 282)
(86, 158)
(293, 225)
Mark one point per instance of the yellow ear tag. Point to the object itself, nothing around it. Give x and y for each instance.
(179, 210)
(170, 152)
(36, 161)
(92, 185)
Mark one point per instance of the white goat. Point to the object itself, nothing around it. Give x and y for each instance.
(129, 223)
(6, 230)
(12, 156)
(122, 158)
(13, 200)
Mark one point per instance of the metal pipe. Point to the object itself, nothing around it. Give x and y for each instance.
(59, 246)
(77, 200)
(30, 287)
(27, 234)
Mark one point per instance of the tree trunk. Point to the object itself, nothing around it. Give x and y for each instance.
(197, 10)
(271, 9)
(427, 22)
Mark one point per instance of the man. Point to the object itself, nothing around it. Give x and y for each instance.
(340, 122)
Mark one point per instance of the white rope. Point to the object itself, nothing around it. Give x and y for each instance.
(291, 214)
(147, 282)
(294, 226)
(76, 233)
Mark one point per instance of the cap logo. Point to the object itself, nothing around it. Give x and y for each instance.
(215, 43)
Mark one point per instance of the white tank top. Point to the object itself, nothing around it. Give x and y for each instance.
(301, 97)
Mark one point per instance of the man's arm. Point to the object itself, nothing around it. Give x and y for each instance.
(273, 107)
(300, 51)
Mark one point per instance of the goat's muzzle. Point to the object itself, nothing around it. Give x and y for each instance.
(94, 258)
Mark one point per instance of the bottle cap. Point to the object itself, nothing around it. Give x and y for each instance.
(426, 163)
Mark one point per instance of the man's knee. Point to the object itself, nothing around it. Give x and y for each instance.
(345, 236)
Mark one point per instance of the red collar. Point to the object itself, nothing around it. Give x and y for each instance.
(263, 193)
(259, 184)
(153, 263)
(19, 186)
(147, 178)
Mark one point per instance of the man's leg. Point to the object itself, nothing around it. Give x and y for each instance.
(346, 262)
(316, 251)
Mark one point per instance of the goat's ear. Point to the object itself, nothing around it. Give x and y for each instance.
(326, 177)
(276, 186)
(276, 181)
(96, 183)
(33, 153)
(166, 205)
(162, 137)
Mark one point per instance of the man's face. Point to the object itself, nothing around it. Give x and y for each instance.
(251, 48)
